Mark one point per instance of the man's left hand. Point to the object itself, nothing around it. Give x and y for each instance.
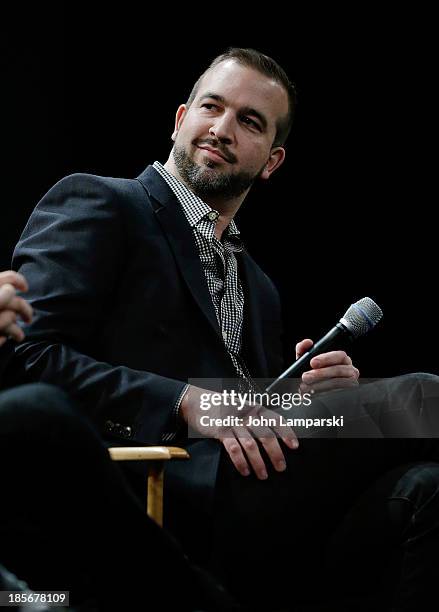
(333, 370)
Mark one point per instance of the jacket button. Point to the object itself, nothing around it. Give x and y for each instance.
(127, 432)
(109, 425)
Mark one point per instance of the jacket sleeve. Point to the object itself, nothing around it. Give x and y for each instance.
(71, 253)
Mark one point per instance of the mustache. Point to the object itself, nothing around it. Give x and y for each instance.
(215, 144)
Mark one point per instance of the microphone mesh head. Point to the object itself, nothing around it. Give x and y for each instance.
(360, 317)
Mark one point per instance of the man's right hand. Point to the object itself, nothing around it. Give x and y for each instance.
(12, 306)
(240, 441)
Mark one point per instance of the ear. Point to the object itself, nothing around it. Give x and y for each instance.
(276, 159)
(181, 112)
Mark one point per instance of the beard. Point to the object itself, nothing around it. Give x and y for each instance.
(205, 182)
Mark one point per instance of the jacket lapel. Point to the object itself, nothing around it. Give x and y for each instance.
(253, 341)
(179, 234)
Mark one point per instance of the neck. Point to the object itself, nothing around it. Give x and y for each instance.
(227, 207)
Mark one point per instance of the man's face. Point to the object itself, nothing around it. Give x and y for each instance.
(223, 141)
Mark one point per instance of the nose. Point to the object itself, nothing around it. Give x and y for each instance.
(222, 129)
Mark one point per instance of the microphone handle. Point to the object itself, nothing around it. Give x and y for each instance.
(302, 364)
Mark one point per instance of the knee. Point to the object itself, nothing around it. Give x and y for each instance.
(49, 397)
(36, 396)
(418, 394)
(420, 378)
(417, 490)
(33, 405)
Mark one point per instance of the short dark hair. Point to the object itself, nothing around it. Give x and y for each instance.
(267, 66)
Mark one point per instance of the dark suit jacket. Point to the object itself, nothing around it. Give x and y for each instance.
(123, 315)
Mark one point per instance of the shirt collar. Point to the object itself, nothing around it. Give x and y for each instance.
(194, 207)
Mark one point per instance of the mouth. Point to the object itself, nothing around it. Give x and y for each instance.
(213, 153)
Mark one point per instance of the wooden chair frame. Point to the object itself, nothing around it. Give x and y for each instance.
(156, 456)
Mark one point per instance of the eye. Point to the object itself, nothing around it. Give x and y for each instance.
(209, 106)
(247, 121)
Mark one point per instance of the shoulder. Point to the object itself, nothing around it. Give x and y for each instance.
(88, 194)
(83, 185)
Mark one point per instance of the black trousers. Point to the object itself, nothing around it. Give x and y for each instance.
(353, 523)
(69, 521)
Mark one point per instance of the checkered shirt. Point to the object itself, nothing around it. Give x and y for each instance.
(220, 267)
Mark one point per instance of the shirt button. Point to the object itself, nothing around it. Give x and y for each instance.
(213, 215)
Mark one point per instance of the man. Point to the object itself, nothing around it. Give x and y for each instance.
(140, 286)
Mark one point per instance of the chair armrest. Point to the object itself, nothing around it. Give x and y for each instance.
(147, 453)
(156, 455)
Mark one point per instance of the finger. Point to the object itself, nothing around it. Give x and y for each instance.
(274, 452)
(331, 358)
(252, 452)
(7, 293)
(7, 317)
(14, 278)
(337, 371)
(303, 346)
(3, 339)
(284, 432)
(234, 450)
(330, 385)
(304, 388)
(21, 307)
(272, 425)
(15, 332)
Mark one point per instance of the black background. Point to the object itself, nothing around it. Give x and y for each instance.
(350, 213)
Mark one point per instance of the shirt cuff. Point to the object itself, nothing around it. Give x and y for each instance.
(175, 418)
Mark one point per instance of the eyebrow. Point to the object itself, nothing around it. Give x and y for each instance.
(245, 110)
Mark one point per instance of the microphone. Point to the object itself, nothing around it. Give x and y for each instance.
(359, 318)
